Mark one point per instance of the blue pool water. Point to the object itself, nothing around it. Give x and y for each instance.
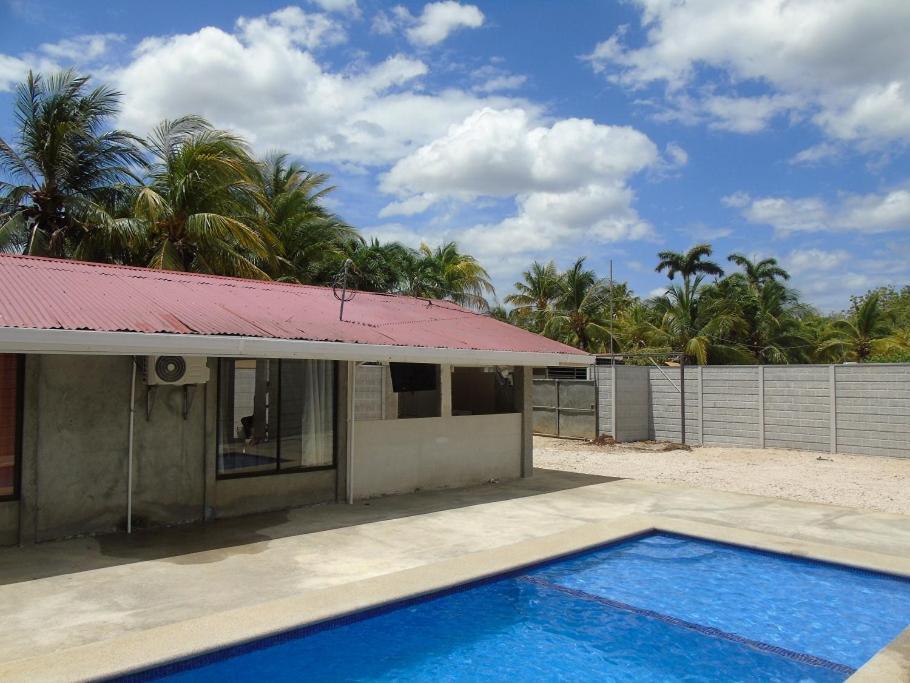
(654, 608)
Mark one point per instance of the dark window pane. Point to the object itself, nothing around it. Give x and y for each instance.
(248, 419)
(307, 413)
(9, 420)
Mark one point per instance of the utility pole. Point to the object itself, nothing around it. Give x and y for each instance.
(612, 359)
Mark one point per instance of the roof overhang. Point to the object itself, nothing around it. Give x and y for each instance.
(27, 340)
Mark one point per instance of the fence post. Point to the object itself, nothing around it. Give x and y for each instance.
(761, 406)
(613, 402)
(701, 406)
(682, 398)
(832, 386)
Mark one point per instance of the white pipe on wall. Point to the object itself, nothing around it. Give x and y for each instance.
(129, 455)
(352, 385)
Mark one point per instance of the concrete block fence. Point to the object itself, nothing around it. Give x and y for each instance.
(862, 409)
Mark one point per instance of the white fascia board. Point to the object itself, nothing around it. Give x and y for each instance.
(23, 340)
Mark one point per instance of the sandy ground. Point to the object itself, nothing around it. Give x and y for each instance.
(857, 481)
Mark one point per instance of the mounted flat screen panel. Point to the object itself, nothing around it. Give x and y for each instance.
(413, 377)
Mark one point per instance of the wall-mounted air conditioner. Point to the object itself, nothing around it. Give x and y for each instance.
(176, 370)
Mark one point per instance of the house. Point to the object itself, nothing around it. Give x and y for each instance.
(134, 397)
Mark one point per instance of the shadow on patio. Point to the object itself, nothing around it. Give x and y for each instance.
(244, 535)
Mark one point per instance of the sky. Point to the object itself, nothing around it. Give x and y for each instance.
(542, 130)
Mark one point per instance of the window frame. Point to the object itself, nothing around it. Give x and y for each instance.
(17, 456)
(279, 470)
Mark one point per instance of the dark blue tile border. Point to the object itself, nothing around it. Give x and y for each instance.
(793, 655)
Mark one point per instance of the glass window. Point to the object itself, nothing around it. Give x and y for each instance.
(275, 415)
(9, 424)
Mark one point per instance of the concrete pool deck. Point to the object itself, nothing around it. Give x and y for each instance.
(85, 593)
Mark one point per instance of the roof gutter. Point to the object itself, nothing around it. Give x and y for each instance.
(25, 340)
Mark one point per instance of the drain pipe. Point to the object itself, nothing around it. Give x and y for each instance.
(129, 454)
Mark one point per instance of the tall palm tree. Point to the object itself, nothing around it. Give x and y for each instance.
(689, 263)
(577, 316)
(195, 203)
(758, 273)
(866, 332)
(314, 240)
(446, 273)
(534, 294)
(64, 171)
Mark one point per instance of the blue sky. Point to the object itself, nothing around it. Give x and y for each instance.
(539, 130)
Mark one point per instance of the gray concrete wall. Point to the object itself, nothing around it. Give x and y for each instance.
(75, 439)
(873, 409)
(400, 456)
(665, 402)
(731, 406)
(633, 413)
(862, 409)
(74, 456)
(797, 407)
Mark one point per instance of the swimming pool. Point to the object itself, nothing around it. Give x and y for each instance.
(653, 608)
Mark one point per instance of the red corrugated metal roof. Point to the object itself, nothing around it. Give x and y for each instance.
(43, 293)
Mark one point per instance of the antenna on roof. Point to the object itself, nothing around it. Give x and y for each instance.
(341, 281)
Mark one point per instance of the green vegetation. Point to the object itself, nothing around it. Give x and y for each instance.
(745, 316)
(191, 197)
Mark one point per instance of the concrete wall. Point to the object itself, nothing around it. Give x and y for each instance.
(861, 409)
(632, 414)
(74, 456)
(75, 438)
(402, 455)
(399, 456)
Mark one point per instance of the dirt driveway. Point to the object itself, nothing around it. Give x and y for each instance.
(858, 481)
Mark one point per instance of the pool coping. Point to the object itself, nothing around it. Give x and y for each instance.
(140, 650)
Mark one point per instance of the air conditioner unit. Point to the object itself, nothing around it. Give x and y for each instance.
(176, 370)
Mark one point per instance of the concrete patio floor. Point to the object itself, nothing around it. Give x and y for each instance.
(69, 593)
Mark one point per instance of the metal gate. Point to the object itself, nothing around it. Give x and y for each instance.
(565, 407)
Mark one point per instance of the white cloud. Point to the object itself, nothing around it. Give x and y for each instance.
(505, 82)
(815, 259)
(51, 57)
(264, 81)
(868, 213)
(569, 179)
(439, 19)
(845, 63)
(81, 49)
(341, 6)
(676, 155)
(824, 151)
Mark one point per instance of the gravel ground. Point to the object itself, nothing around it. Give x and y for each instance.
(857, 481)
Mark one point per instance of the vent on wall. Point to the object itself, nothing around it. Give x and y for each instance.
(567, 372)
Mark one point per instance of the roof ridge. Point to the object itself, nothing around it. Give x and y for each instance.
(241, 281)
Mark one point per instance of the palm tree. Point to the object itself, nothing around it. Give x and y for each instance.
(378, 267)
(65, 169)
(759, 273)
(866, 332)
(196, 205)
(689, 263)
(446, 273)
(577, 316)
(534, 294)
(314, 240)
(699, 324)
